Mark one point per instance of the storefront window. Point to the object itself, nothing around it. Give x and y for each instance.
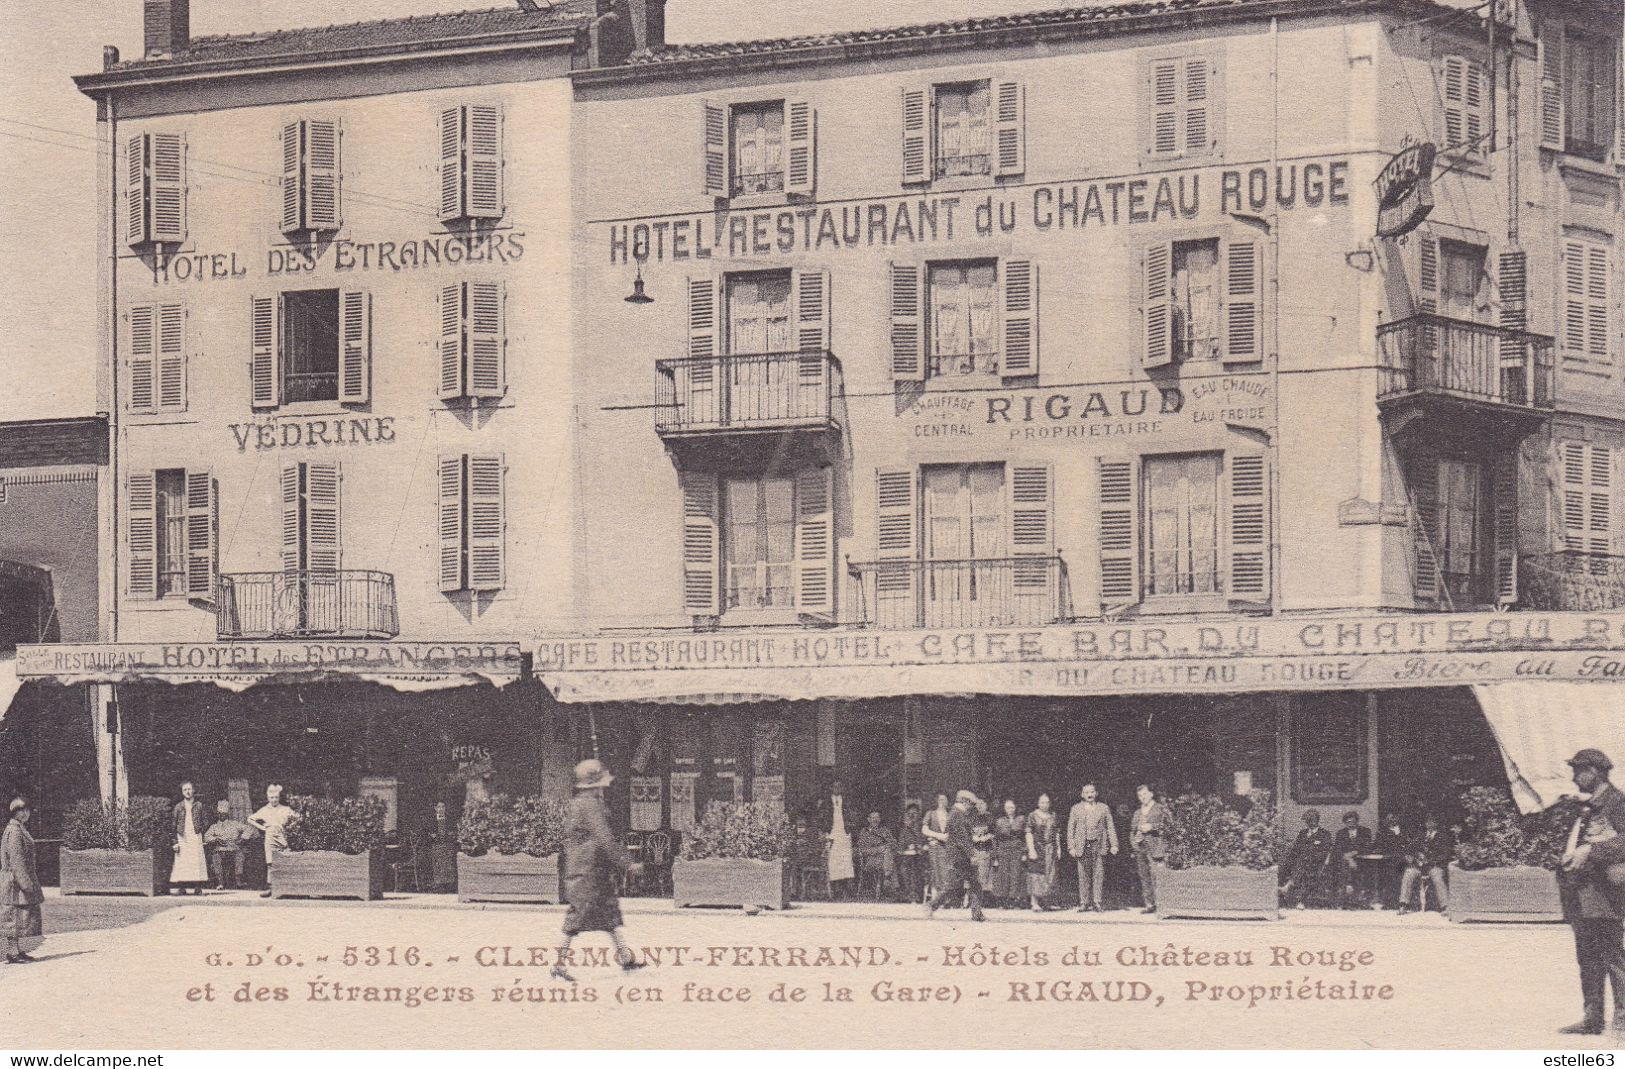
(962, 130)
(758, 148)
(964, 319)
(759, 532)
(1329, 758)
(1182, 508)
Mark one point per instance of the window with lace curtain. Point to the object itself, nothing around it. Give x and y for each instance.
(1182, 524)
(759, 543)
(964, 319)
(964, 139)
(757, 136)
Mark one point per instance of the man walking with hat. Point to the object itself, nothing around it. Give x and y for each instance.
(961, 866)
(592, 859)
(1593, 903)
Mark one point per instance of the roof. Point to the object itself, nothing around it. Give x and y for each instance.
(394, 35)
(38, 442)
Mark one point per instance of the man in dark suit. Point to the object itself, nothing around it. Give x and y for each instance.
(962, 869)
(1430, 853)
(1348, 844)
(1306, 862)
(1593, 903)
(1148, 837)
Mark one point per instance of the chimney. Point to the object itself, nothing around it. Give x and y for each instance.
(168, 26)
(648, 25)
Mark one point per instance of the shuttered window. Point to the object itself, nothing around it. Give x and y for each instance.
(312, 512)
(156, 348)
(1588, 321)
(1586, 470)
(1464, 529)
(1180, 109)
(1202, 300)
(311, 177)
(1182, 525)
(1464, 97)
(155, 189)
(471, 163)
(964, 318)
(472, 522)
(473, 340)
(310, 345)
(759, 148)
(171, 534)
(964, 130)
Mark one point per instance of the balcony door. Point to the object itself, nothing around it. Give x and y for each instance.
(965, 545)
(307, 600)
(759, 324)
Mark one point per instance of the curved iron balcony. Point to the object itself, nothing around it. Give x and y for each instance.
(310, 603)
(748, 392)
(1571, 581)
(900, 595)
(1435, 356)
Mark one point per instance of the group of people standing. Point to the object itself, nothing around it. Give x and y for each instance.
(215, 852)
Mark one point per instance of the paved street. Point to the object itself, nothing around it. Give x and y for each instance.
(1121, 980)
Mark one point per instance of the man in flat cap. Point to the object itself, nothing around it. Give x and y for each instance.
(961, 866)
(1593, 903)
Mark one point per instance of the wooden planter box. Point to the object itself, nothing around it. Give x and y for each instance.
(328, 874)
(1228, 891)
(728, 881)
(114, 872)
(1518, 893)
(497, 877)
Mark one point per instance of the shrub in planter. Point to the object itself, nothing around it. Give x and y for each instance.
(1506, 863)
(508, 850)
(335, 849)
(1221, 860)
(117, 849)
(738, 856)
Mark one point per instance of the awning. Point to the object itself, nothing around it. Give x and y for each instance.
(1539, 725)
(404, 666)
(10, 684)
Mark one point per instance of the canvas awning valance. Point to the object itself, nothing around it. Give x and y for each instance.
(1539, 725)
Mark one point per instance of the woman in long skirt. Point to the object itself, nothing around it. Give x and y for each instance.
(1009, 857)
(981, 838)
(935, 830)
(190, 872)
(1043, 853)
(20, 896)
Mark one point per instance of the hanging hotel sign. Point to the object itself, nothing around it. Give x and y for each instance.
(909, 220)
(1405, 190)
(247, 663)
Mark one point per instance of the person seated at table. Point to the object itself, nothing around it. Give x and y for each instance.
(1429, 853)
(1390, 846)
(1307, 861)
(1348, 844)
(911, 853)
(807, 857)
(224, 842)
(877, 856)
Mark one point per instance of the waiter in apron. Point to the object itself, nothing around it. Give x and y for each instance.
(838, 833)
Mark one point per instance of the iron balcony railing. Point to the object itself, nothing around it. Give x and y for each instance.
(1434, 354)
(999, 592)
(308, 604)
(310, 386)
(1571, 582)
(751, 391)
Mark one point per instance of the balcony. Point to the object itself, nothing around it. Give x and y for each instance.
(746, 404)
(893, 595)
(308, 604)
(1434, 363)
(1571, 582)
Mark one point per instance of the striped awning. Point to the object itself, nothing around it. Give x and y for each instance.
(1540, 725)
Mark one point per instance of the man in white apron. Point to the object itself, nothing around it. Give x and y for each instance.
(841, 866)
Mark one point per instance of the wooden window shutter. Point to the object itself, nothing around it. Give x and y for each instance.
(291, 218)
(1574, 297)
(1512, 283)
(168, 188)
(355, 347)
(1427, 273)
(1156, 308)
(202, 531)
(907, 322)
(323, 175)
(1424, 491)
(322, 516)
(141, 532)
(897, 540)
(1475, 100)
(1453, 93)
(1504, 489)
(1009, 129)
(1197, 107)
(703, 317)
(1553, 123)
(452, 340)
(171, 376)
(1587, 497)
(292, 545)
(916, 135)
(812, 308)
(1249, 528)
(714, 149)
(1602, 499)
(1162, 135)
(450, 504)
(815, 542)
(701, 537)
(1032, 542)
(265, 357)
(697, 377)
(800, 148)
(1118, 507)
(1018, 281)
(486, 523)
(137, 225)
(1599, 308)
(143, 361)
(451, 164)
(484, 161)
(487, 374)
(1243, 301)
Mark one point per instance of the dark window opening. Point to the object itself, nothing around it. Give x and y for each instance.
(310, 345)
(171, 529)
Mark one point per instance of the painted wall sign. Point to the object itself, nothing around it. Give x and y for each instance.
(345, 255)
(1110, 411)
(204, 660)
(1405, 190)
(916, 220)
(313, 433)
